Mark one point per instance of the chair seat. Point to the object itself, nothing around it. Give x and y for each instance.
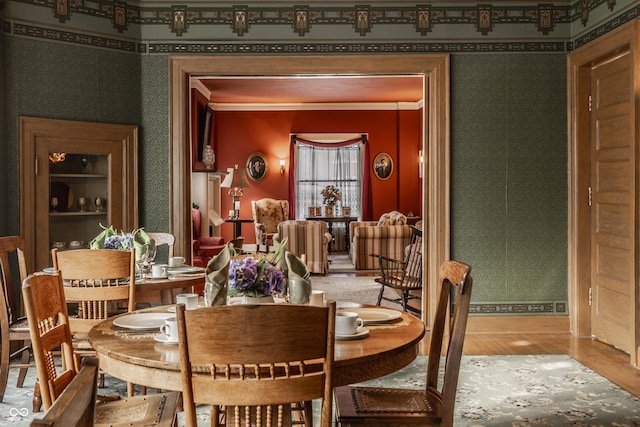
(21, 325)
(380, 406)
(144, 410)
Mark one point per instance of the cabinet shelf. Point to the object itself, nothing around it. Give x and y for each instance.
(78, 175)
(78, 213)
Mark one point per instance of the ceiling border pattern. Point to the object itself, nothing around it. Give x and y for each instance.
(425, 19)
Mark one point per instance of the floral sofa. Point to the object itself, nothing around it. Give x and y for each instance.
(306, 237)
(388, 237)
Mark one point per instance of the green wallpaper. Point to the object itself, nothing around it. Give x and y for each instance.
(4, 146)
(509, 178)
(508, 106)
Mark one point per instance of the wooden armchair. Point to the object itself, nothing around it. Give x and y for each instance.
(404, 276)
(13, 326)
(434, 405)
(69, 393)
(260, 372)
(267, 214)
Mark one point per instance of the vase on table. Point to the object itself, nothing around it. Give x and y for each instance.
(328, 210)
(262, 299)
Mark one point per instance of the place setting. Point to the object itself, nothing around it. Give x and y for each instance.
(349, 326)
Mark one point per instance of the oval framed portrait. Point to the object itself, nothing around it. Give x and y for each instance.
(383, 166)
(257, 166)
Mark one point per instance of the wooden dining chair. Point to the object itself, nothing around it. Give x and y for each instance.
(164, 239)
(101, 283)
(434, 405)
(404, 276)
(46, 309)
(252, 363)
(14, 327)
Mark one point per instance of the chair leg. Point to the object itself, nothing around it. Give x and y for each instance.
(26, 356)
(36, 402)
(380, 295)
(405, 299)
(4, 368)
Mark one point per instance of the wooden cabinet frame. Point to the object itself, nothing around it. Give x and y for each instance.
(38, 138)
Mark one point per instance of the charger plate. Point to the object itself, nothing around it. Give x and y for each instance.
(142, 320)
(375, 315)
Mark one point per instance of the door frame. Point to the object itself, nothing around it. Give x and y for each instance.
(579, 171)
(435, 142)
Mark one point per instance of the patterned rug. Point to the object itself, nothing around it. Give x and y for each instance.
(493, 391)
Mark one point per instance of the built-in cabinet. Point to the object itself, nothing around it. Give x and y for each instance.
(74, 177)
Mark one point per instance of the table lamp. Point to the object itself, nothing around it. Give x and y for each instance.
(235, 181)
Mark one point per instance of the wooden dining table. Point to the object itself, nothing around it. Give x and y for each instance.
(163, 289)
(140, 359)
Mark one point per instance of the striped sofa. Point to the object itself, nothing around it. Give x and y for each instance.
(306, 237)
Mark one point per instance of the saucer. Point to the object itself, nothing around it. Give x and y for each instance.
(360, 333)
(160, 337)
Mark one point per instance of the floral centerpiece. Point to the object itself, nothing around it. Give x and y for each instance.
(255, 278)
(109, 238)
(331, 195)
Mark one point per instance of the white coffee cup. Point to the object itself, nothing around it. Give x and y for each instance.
(317, 298)
(176, 261)
(347, 323)
(170, 329)
(159, 270)
(190, 301)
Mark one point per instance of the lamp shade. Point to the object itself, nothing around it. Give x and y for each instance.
(236, 178)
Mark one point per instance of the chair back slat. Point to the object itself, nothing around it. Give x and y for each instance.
(452, 310)
(280, 355)
(49, 328)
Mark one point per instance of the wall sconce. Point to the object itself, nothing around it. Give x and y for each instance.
(281, 166)
(420, 163)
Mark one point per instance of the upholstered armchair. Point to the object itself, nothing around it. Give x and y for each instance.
(204, 248)
(387, 237)
(267, 214)
(306, 237)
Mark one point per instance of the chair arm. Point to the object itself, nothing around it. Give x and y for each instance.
(211, 241)
(327, 238)
(392, 270)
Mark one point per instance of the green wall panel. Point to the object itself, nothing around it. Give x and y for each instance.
(509, 175)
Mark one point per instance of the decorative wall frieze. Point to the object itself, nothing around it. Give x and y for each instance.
(240, 29)
(519, 308)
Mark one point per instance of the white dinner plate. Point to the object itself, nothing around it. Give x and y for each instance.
(360, 333)
(142, 320)
(373, 315)
(160, 337)
(49, 270)
(185, 269)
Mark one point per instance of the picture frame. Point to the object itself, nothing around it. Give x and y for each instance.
(257, 166)
(203, 136)
(382, 166)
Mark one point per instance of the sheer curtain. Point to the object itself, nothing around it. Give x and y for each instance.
(318, 164)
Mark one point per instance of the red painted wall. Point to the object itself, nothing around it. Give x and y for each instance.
(397, 133)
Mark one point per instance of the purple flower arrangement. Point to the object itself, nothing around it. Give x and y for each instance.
(247, 276)
(121, 242)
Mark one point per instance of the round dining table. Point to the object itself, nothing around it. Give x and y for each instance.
(137, 357)
(162, 289)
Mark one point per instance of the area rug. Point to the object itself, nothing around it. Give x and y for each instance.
(358, 289)
(515, 391)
